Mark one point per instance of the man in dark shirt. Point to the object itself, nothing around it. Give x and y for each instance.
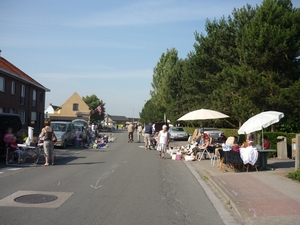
(148, 132)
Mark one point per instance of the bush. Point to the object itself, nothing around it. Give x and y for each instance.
(294, 175)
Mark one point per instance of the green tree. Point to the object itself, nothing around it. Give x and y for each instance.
(161, 74)
(151, 113)
(254, 56)
(93, 102)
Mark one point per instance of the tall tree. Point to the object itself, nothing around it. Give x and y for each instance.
(151, 113)
(254, 55)
(161, 74)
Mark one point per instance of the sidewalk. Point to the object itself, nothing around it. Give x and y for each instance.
(264, 197)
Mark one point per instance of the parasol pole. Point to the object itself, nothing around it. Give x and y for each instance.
(262, 138)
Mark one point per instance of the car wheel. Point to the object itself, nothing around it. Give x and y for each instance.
(65, 144)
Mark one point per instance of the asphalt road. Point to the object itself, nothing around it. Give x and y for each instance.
(122, 184)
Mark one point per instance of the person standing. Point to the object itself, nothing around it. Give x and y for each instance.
(163, 141)
(139, 132)
(148, 132)
(130, 129)
(48, 143)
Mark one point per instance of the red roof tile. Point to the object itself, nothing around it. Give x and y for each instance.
(4, 64)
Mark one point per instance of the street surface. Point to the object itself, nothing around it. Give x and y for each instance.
(121, 184)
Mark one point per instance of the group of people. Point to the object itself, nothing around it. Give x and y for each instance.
(11, 142)
(163, 138)
(131, 128)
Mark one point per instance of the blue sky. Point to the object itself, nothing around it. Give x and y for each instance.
(106, 48)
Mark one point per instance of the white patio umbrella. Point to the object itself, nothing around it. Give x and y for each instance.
(260, 121)
(203, 114)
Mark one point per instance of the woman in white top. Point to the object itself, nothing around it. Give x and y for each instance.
(163, 140)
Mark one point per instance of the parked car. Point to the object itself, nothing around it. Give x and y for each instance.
(10, 120)
(214, 133)
(178, 133)
(81, 126)
(65, 133)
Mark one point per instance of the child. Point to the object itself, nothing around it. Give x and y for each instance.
(11, 142)
(8, 136)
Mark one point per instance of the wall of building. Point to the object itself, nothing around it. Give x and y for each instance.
(30, 110)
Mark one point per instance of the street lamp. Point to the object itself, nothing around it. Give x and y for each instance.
(132, 115)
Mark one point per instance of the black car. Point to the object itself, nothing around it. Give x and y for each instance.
(10, 120)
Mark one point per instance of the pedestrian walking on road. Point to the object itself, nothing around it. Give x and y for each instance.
(130, 130)
(163, 141)
(48, 143)
(139, 132)
(148, 133)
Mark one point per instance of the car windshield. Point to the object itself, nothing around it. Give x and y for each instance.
(177, 129)
(59, 127)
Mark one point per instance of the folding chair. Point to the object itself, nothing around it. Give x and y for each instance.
(206, 152)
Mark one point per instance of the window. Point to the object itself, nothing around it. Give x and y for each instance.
(22, 115)
(34, 98)
(41, 96)
(2, 84)
(12, 111)
(13, 88)
(33, 118)
(75, 107)
(1, 110)
(22, 98)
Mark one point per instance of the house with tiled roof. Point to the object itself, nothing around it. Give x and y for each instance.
(21, 94)
(73, 108)
(51, 109)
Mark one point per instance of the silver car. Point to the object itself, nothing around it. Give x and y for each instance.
(65, 133)
(178, 133)
(214, 133)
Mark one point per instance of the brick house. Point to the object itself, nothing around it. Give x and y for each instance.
(21, 94)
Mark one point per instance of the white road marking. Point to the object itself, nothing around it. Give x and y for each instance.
(96, 186)
(14, 169)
